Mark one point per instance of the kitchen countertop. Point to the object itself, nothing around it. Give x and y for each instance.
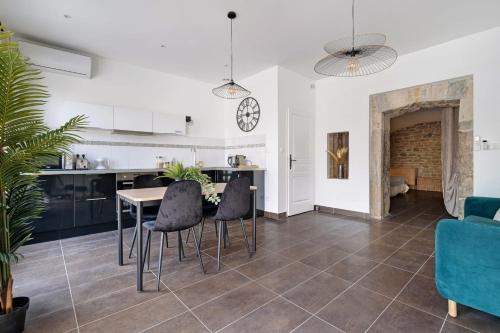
(103, 171)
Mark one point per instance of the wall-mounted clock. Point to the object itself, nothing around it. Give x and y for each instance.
(248, 114)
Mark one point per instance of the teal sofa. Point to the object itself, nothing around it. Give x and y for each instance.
(468, 257)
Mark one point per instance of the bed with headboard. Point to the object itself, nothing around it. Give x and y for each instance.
(402, 179)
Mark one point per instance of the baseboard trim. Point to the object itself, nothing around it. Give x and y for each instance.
(276, 216)
(342, 212)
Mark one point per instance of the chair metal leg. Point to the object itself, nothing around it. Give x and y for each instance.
(219, 239)
(242, 223)
(223, 226)
(227, 234)
(187, 238)
(201, 232)
(149, 248)
(198, 246)
(179, 245)
(133, 242)
(160, 259)
(166, 239)
(216, 229)
(148, 245)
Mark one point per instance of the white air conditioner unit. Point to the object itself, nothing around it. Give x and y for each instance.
(57, 61)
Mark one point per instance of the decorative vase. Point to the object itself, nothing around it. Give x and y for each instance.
(340, 171)
(14, 322)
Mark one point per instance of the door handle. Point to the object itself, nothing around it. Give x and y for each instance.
(291, 160)
(96, 199)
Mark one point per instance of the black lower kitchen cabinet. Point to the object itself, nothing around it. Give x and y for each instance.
(95, 211)
(58, 198)
(76, 205)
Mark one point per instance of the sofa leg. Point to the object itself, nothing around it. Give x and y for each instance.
(452, 308)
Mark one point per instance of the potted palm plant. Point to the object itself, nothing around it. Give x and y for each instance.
(25, 143)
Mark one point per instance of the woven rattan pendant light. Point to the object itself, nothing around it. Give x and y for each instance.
(231, 90)
(361, 54)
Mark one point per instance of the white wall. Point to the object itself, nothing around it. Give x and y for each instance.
(264, 88)
(115, 83)
(276, 89)
(342, 104)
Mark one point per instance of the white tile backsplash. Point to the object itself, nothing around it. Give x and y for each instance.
(136, 154)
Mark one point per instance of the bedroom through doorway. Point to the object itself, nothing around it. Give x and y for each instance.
(416, 171)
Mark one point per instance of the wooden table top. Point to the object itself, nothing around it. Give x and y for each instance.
(157, 193)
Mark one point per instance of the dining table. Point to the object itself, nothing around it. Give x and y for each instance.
(146, 197)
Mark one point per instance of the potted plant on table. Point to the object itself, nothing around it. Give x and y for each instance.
(25, 144)
(178, 171)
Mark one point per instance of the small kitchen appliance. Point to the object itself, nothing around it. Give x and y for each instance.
(81, 162)
(236, 160)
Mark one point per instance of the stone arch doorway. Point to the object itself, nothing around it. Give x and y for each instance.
(455, 93)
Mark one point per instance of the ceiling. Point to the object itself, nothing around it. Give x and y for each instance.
(290, 33)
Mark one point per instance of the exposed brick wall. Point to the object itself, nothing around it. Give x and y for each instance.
(419, 146)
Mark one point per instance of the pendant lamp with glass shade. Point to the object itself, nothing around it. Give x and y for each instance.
(361, 54)
(231, 90)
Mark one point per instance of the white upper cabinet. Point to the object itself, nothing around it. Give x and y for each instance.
(169, 124)
(126, 119)
(117, 118)
(98, 116)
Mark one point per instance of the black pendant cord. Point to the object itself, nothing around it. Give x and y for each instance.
(231, 50)
(352, 12)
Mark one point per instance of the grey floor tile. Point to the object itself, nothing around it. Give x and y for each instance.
(233, 306)
(185, 323)
(210, 288)
(325, 258)
(287, 277)
(352, 268)
(276, 316)
(262, 266)
(117, 301)
(402, 318)
(377, 252)
(138, 317)
(407, 260)
(355, 310)
(476, 320)
(55, 322)
(302, 250)
(386, 280)
(316, 292)
(421, 293)
(315, 325)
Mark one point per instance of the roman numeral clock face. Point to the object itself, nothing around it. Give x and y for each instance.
(248, 114)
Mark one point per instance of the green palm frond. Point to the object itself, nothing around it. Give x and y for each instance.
(25, 141)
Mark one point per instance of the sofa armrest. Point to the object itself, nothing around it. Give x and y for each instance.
(481, 206)
(468, 263)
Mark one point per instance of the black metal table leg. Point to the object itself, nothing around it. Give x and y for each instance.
(254, 222)
(139, 246)
(120, 230)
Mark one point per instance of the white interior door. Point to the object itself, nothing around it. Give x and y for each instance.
(300, 163)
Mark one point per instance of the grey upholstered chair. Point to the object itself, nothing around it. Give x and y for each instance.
(148, 213)
(180, 209)
(234, 205)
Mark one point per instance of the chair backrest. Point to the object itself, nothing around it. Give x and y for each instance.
(145, 181)
(235, 201)
(181, 207)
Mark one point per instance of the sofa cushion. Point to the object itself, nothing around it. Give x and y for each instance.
(497, 216)
(478, 219)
